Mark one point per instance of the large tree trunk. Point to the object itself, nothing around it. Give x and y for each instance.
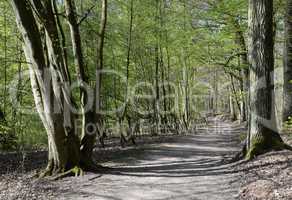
(287, 101)
(263, 135)
(50, 83)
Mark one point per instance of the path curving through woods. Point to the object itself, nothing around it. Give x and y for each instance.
(188, 167)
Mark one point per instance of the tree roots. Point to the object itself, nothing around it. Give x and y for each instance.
(258, 149)
(261, 148)
(76, 171)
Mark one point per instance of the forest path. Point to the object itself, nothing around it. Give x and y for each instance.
(188, 167)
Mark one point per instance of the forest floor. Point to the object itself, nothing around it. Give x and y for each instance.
(194, 166)
(268, 177)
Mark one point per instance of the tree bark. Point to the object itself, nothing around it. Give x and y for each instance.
(5, 60)
(240, 41)
(287, 97)
(262, 134)
(88, 136)
(97, 88)
(125, 138)
(231, 106)
(100, 48)
(156, 102)
(49, 83)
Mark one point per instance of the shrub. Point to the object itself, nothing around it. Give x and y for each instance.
(8, 139)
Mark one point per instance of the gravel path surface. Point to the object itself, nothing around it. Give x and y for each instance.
(189, 167)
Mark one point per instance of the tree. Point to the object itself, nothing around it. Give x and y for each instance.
(88, 117)
(262, 135)
(50, 83)
(287, 97)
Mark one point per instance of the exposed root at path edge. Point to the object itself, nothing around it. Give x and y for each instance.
(257, 150)
(76, 171)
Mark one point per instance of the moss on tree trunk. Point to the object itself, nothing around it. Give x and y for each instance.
(262, 143)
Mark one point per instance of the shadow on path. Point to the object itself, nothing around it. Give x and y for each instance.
(188, 167)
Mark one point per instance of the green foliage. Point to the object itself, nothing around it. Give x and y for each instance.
(288, 126)
(8, 139)
(193, 39)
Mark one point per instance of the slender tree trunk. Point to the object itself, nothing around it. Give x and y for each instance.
(129, 50)
(88, 136)
(5, 59)
(100, 49)
(242, 101)
(162, 63)
(63, 41)
(156, 102)
(163, 88)
(231, 106)
(99, 68)
(237, 101)
(19, 83)
(215, 87)
(157, 91)
(169, 90)
(124, 138)
(240, 40)
(186, 94)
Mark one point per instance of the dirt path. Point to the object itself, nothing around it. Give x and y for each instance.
(188, 167)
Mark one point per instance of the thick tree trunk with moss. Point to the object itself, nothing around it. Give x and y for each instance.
(50, 83)
(287, 97)
(263, 135)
